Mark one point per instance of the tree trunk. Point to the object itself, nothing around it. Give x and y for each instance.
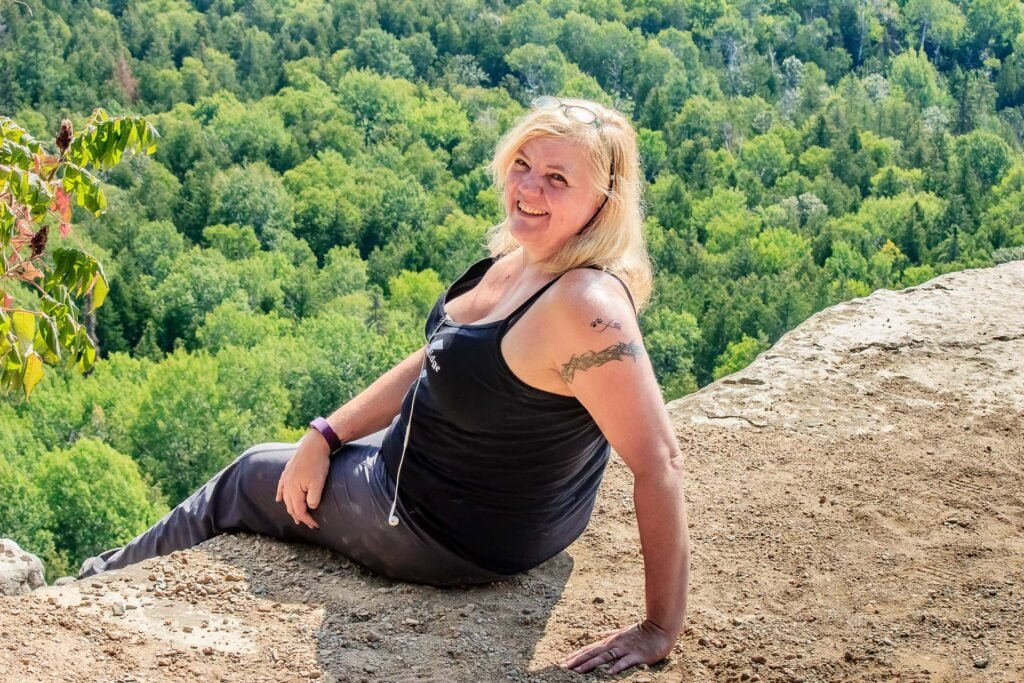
(89, 320)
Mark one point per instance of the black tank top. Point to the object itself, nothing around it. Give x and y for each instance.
(502, 473)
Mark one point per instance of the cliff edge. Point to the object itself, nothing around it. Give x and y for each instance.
(856, 503)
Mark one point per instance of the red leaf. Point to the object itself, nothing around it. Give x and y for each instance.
(62, 205)
(8, 300)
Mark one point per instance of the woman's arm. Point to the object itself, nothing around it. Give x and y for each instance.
(374, 407)
(302, 481)
(665, 542)
(606, 368)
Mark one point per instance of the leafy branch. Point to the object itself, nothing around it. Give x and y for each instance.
(37, 189)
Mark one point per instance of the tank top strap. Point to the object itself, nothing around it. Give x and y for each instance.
(525, 306)
(629, 294)
(469, 278)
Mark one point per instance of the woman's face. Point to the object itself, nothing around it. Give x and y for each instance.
(549, 194)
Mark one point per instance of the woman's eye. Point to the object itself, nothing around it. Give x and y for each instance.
(520, 163)
(559, 178)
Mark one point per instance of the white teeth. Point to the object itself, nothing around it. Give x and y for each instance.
(532, 212)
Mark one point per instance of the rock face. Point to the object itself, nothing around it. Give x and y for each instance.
(959, 334)
(856, 502)
(20, 571)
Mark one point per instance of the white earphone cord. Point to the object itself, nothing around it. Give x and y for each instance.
(392, 517)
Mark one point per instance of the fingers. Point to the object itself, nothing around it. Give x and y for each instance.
(313, 496)
(296, 499)
(618, 649)
(297, 508)
(584, 655)
(631, 659)
(603, 644)
(605, 656)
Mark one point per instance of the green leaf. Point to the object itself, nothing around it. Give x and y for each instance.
(85, 188)
(48, 331)
(13, 153)
(7, 222)
(13, 360)
(100, 288)
(105, 140)
(84, 350)
(32, 373)
(24, 326)
(26, 188)
(45, 343)
(9, 130)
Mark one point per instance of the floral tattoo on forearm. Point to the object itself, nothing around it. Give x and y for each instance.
(592, 359)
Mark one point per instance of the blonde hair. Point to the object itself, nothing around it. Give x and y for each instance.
(615, 239)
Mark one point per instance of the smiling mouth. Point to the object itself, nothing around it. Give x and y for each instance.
(530, 211)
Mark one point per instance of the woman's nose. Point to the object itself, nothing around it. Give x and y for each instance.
(530, 183)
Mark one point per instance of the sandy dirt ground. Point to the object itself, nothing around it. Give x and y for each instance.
(856, 503)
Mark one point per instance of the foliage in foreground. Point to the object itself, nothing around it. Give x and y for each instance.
(41, 286)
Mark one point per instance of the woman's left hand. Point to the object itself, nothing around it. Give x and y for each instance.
(643, 643)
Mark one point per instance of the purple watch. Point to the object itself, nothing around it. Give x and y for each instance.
(330, 436)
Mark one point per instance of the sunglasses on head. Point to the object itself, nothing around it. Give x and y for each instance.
(572, 111)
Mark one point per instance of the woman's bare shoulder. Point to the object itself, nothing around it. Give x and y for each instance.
(588, 286)
(585, 301)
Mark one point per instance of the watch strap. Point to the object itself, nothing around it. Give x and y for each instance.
(330, 436)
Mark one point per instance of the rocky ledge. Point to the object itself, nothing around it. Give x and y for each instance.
(856, 509)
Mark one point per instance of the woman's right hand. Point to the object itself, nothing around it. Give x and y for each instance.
(302, 481)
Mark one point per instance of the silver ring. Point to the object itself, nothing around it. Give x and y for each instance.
(612, 652)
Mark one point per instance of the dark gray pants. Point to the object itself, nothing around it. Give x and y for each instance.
(353, 518)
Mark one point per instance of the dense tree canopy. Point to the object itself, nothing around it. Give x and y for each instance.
(322, 174)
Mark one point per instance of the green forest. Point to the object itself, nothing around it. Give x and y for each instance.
(320, 176)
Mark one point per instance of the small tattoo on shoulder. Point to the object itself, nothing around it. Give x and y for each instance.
(600, 324)
(592, 359)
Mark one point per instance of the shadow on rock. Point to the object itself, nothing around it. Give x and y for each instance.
(377, 629)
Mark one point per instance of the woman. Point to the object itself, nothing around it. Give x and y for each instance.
(479, 456)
